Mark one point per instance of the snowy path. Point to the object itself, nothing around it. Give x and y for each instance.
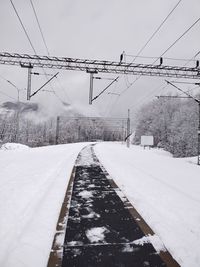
(100, 230)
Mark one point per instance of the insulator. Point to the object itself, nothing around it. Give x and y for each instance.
(197, 63)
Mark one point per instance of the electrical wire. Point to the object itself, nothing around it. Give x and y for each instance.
(38, 23)
(183, 34)
(148, 41)
(154, 33)
(25, 31)
(167, 58)
(30, 42)
(47, 50)
(151, 94)
(12, 84)
(7, 95)
(145, 45)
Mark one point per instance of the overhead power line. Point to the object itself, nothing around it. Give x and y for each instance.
(186, 93)
(7, 95)
(154, 33)
(38, 23)
(25, 31)
(181, 36)
(151, 94)
(47, 49)
(148, 41)
(29, 39)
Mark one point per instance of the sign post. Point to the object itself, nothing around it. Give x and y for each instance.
(147, 140)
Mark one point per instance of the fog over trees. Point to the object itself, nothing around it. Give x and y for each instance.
(24, 124)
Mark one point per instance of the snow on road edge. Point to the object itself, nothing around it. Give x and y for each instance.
(33, 184)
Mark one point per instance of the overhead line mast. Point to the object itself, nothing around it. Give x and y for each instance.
(101, 66)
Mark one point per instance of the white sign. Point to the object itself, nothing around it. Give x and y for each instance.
(147, 140)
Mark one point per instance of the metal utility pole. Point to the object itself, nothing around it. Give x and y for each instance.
(92, 72)
(198, 161)
(91, 88)
(57, 129)
(29, 83)
(128, 129)
(29, 66)
(198, 132)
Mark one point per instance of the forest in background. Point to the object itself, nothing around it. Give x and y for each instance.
(174, 124)
(22, 129)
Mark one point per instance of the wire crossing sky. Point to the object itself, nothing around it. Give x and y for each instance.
(97, 30)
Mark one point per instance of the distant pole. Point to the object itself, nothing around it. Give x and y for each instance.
(57, 129)
(27, 128)
(29, 84)
(198, 162)
(91, 89)
(91, 72)
(29, 67)
(79, 133)
(128, 129)
(17, 119)
(122, 134)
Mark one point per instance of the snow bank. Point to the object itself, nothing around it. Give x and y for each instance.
(166, 192)
(13, 146)
(32, 187)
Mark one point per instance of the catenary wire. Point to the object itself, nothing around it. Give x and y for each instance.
(47, 49)
(181, 36)
(30, 42)
(25, 31)
(151, 37)
(184, 33)
(39, 26)
(154, 33)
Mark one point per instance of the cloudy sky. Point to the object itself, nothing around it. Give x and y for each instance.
(94, 29)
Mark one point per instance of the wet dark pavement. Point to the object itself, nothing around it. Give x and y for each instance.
(100, 229)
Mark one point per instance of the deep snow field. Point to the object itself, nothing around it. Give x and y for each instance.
(33, 181)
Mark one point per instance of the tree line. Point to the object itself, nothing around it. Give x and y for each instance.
(58, 130)
(174, 124)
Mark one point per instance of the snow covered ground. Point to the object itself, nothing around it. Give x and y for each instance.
(33, 182)
(166, 192)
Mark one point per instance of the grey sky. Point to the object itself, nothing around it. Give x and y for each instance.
(96, 30)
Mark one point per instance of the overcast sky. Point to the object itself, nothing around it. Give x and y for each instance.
(94, 29)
